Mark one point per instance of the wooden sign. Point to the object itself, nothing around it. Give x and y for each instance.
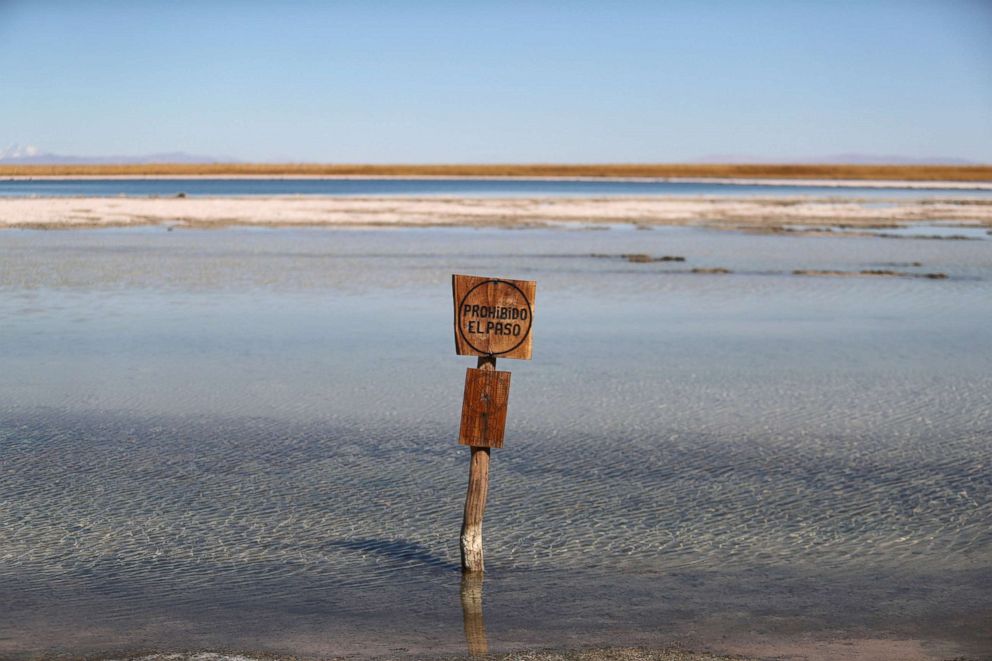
(484, 408)
(493, 317)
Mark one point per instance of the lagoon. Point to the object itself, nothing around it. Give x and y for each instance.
(245, 439)
(474, 187)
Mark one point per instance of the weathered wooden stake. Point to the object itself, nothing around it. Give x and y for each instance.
(475, 498)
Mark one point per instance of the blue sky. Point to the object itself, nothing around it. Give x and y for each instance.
(380, 81)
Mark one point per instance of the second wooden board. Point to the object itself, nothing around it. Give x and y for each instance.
(484, 408)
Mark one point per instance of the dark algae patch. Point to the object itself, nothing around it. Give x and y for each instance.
(927, 237)
(638, 258)
(641, 258)
(883, 273)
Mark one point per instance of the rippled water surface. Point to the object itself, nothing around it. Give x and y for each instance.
(245, 439)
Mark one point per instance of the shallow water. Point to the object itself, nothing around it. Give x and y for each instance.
(245, 439)
(461, 187)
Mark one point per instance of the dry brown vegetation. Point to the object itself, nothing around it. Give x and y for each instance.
(757, 171)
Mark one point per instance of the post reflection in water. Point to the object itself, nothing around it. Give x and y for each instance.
(475, 626)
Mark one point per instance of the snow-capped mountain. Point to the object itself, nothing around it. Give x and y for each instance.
(18, 152)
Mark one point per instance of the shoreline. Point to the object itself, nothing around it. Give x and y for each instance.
(778, 214)
(747, 648)
(527, 654)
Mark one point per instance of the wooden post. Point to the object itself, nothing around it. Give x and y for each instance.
(493, 317)
(475, 498)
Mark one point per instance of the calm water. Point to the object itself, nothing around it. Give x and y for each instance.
(463, 187)
(245, 439)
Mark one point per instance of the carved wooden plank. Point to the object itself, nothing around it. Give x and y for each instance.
(493, 316)
(484, 408)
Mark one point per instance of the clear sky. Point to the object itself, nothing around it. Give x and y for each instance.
(503, 81)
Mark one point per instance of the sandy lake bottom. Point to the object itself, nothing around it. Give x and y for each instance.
(244, 439)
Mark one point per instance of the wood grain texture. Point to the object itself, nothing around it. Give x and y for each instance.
(493, 316)
(487, 392)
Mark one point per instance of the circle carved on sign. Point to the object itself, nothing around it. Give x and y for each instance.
(495, 317)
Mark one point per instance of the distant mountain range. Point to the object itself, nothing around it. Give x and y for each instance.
(31, 155)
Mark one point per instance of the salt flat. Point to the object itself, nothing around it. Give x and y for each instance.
(724, 212)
